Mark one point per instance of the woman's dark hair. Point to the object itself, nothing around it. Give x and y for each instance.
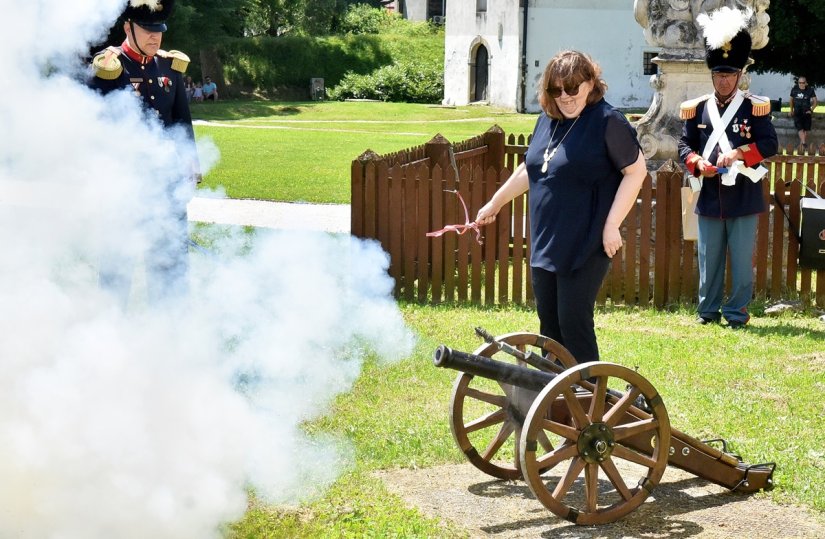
(569, 69)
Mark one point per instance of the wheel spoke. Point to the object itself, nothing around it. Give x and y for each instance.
(495, 444)
(571, 433)
(618, 410)
(622, 452)
(573, 471)
(485, 421)
(597, 404)
(545, 442)
(495, 400)
(615, 477)
(554, 457)
(632, 429)
(575, 407)
(591, 482)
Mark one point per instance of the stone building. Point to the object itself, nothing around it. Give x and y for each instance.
(496, 51)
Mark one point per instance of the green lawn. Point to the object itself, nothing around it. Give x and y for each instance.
(303, 151)
(760, 388)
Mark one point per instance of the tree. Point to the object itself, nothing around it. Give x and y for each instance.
(797, 40)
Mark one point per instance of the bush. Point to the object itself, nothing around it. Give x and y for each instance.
(408, 82)
(364, 19)
(273, 65)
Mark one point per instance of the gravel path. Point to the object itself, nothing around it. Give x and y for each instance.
(681, 506)
(263, 213)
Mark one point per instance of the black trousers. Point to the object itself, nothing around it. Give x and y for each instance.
(565, 306)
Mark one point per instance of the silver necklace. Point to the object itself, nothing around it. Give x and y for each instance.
(548, 155)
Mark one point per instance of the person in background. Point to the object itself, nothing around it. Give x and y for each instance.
(210, 90)
(584, 169)
(156, 78)
(725, 137)
(190, 88)
(197, 93)
(803, 102)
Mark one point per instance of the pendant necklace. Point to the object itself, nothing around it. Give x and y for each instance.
(548, 155)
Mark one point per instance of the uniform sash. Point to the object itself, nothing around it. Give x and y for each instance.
(720, 137)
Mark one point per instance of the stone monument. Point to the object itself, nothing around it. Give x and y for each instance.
(683, 74)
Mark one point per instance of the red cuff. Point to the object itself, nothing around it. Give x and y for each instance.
(690, 162)
(751, 155)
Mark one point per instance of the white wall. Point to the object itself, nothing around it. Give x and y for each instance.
(416, 10)
(774, 85)
(604, 29)
(498, 29)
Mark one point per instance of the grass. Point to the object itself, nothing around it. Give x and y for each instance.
(303, 151)
(760, 388)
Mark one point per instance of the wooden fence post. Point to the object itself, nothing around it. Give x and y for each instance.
(360, 198)
(437, 150)
(494, 140)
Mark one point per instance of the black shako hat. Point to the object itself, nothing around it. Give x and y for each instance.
(150, 15)
(727, 41)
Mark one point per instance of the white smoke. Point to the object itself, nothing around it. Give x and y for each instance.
(149, 421)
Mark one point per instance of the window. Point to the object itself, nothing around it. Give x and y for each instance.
(481, 5)
(649, 67)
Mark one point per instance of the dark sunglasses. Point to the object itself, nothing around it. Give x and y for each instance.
(554, 92)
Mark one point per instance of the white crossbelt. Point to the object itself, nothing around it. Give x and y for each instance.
(720, 137)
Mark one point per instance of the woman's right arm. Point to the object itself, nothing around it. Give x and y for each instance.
(516, 184)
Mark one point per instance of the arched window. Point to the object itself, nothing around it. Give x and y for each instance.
(479, 74)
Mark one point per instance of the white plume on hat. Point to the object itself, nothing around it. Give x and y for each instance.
(153, 5)
(720, 26)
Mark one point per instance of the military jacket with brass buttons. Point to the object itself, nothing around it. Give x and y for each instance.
(157, 80)
(751, 130)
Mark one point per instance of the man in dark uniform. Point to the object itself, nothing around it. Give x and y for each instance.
(725, 137)
(156, 77)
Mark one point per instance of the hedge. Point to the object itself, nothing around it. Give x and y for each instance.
(273, 64)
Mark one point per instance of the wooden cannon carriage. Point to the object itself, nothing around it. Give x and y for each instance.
(522, 417)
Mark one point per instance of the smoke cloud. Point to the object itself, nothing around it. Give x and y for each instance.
(153, 420)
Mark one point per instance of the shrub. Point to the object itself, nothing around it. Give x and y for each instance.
(409, 82)
(364, 19)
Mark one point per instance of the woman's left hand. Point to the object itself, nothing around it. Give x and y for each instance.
(612, 240)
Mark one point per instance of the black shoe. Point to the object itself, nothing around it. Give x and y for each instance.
(705, 320)
(736, 324)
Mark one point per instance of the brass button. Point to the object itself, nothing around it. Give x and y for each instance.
(151, 81)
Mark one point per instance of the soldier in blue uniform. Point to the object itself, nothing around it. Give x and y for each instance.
(156, 77)
(725, 137)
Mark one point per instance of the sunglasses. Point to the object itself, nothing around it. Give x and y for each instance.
(554, 92)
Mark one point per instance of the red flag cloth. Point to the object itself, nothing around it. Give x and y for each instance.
(459, 229)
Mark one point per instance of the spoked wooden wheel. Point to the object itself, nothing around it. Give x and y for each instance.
(486, 416)
(604, 430)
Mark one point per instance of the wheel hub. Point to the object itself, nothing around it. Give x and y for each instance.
(596, 443)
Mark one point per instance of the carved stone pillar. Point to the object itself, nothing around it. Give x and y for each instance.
(683, 74)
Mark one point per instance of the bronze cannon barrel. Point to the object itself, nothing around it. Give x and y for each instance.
(485, 367)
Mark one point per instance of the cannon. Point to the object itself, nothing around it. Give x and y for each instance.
(534, 413)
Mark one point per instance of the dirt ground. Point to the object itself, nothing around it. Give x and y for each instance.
(681, 506)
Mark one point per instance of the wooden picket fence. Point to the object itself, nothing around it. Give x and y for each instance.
(398, 198)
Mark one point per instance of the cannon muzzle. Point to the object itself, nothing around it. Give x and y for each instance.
(505, 373)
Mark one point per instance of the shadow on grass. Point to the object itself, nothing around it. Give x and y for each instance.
(659, 515)
(247, 108)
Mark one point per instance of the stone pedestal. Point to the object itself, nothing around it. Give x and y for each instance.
(681, 76)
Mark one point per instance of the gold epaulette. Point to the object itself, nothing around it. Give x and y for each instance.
(761, 104)
(687, 110)
(180, 61)
(107, 65)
